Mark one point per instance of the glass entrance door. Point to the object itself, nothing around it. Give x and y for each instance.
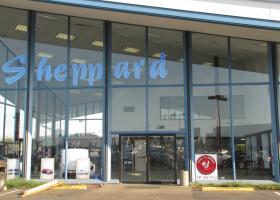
(134, 159)
(148, 159)
(162, 159)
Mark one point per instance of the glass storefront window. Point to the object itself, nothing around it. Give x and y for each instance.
(49, 102)
(249, 61)
(48, 131)
(128, 55)
(13, 48)
(52, 78)
(86, 53)
(128, 109)
(209, 59)
(86, 127)
(13, 64)
(165, 56)
(252, 132)
(212, 126)
(51, 51)
(166, 108)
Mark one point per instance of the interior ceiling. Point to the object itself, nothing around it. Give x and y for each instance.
(87, 31)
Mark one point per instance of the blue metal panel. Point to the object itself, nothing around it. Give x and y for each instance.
(274, 100)
(171, 13)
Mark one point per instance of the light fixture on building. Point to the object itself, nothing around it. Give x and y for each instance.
(131, 50)
(64, 36)
(21, 27)
(97, 43)
(45, 55)
(79, 61)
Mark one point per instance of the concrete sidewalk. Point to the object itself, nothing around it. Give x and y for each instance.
(140, 192)
(115, 192)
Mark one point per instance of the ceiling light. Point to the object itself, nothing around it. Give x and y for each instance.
(79, 61)
(157, 55)
(124, 34)
(64, 36)
(74, 92)
(131, 50)
(21, 27)
(262, 44)
(180, 60)
(117, 26)
(48, 17)
(154, 35)
(97, 43)
(115, 82)
(208, 64)
(45, 55)
(98, 94)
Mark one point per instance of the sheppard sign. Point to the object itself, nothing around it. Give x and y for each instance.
(16, 68)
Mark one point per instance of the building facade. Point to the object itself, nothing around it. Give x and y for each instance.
(141, 88)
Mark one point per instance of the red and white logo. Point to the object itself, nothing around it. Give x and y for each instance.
(206, 164)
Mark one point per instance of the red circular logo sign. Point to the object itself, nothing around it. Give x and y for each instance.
(206, 165)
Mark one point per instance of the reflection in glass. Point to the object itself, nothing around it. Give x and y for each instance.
(211, 125)
(166, 108)
(180, 144)
(170, 44)
(249, 61)
(252, 132)
(128, 109)
(13, 43)
(50, 50)
(161, 158)
(115, 157)
(128, 54)
(209, 58)
(134, 159)
(86, 127)
(48, 131)
(86, 51)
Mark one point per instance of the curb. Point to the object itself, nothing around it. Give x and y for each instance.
(40, 188)
(226, 189)
(70, 187)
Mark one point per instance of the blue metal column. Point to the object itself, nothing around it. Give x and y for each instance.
(67, 101)
(231, 111)
(188, 133)
(274, 100)
(27, 140)
(106, 176)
